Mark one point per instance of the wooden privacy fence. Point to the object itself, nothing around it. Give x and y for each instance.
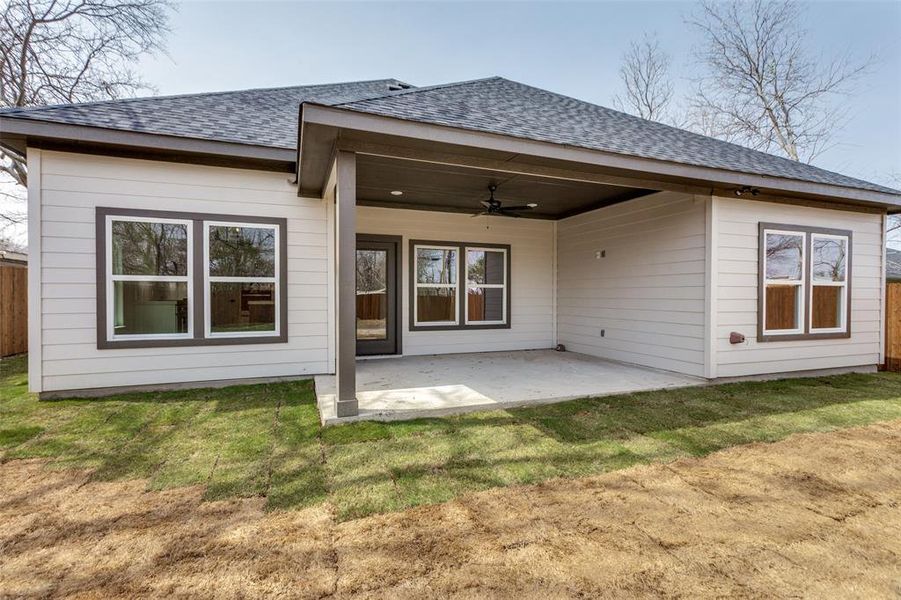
(13, 310)
(893, 325)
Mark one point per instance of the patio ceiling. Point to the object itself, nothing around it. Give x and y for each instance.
(452, 188)
(325, 130)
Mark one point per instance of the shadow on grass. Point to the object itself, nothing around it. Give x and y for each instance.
(265, 440)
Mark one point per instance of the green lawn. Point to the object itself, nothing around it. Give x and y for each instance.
(265, 440)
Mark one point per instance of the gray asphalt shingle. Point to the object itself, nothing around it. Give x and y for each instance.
(262, 117)
(268, 117)
(498, 105)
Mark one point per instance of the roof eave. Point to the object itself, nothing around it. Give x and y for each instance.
(34, 132)
(344, 118)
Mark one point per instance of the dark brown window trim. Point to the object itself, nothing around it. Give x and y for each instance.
(198, 290)
(461, 275)
(761, 283)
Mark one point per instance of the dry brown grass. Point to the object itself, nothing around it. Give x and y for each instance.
(815, 515)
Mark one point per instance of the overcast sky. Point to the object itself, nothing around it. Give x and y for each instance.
(570, 48)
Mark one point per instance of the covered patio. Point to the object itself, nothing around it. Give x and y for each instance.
(400, 195)
(409, 387)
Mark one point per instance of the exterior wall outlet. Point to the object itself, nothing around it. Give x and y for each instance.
(600, 254)
(736, 338)
(603, 332)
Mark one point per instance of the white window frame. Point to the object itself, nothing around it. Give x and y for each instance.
(843, 314)
(111, 279)
(801, 283)
(416, 285)
(475, 286)
(208, 279)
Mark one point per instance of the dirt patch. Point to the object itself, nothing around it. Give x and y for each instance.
(815, 515)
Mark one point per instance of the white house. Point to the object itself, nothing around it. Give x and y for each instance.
(283, 232)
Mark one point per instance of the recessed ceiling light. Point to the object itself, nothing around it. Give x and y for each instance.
(397, 193)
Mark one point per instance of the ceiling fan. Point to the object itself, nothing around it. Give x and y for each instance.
(495, 207)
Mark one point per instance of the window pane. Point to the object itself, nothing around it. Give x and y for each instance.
(783, 307)
(827, 307)
(242, 251)
(149, 248)
(485, 266)
(148, 307)
(436, 304)
(436, 266)
(486, 304)
(829, 259)
(242, 307)
(372, 295)
(783, 256)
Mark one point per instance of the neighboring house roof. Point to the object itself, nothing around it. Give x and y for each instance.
(892, 263)
(268, 117)
(15, 258)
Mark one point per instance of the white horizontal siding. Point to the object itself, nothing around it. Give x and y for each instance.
(737, 279)
(532, 281)
(73, 185)
(647, 293)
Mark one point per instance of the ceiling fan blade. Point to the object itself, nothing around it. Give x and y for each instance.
(522, 207)
(479, 214)
(485, 203)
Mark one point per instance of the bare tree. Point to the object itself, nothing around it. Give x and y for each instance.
(60, 51)
(645, 75)
(761, 83)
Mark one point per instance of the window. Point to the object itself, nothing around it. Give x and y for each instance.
(784, 272)
(804, 283)
(486, 285)
(828, 283)
(459, 286)
(175, 279)
(148, 278)
(437, 292)
(242, 288)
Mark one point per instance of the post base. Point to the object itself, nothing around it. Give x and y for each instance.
(347, 408)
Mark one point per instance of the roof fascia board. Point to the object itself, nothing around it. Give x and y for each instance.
(151, 141)
(350, 119)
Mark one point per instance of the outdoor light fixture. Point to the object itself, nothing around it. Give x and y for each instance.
(397, 193)
(746, 190)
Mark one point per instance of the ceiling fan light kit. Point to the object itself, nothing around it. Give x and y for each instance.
(495, 208)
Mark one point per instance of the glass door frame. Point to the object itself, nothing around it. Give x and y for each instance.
(393, 342)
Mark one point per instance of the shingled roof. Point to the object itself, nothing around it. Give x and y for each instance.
(260, 117)
(498, 105)
(268, 117)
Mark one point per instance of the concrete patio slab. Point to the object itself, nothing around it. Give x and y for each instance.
(422, 386)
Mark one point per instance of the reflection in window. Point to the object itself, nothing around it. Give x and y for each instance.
(784, 285)
(436, 266)
(148, 248)
(784, 256)
(486, 276)
(242, 251)
(372, 294)
(436, 288)
(828, 293)
(436, 305)
(148, 277)
(242, 282)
